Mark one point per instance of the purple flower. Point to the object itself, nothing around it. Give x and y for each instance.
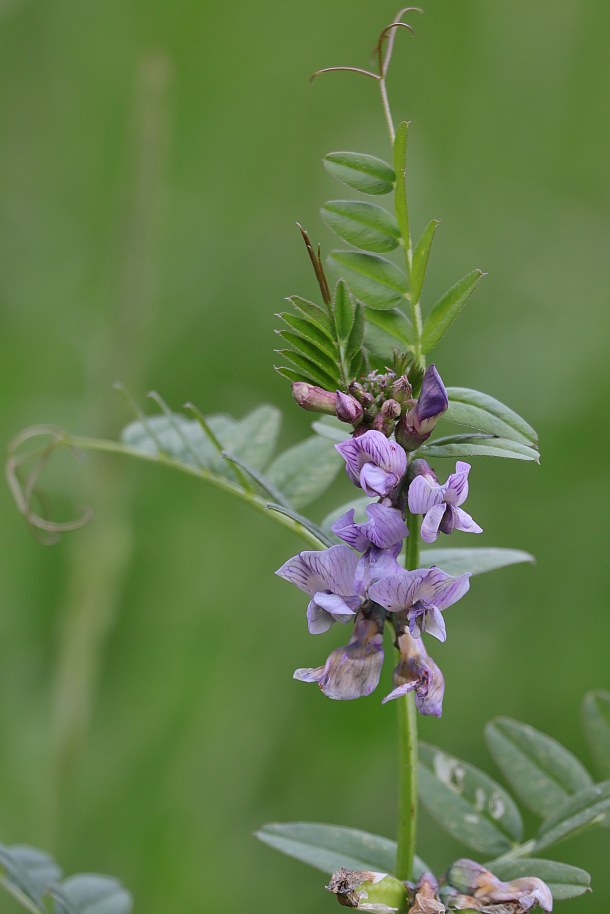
(354, 670)
(422, 595)
(419, 673)
(416, 427)
(373, 462)
(384, 528)
(479, 889)
(329, 579)
(441, 503)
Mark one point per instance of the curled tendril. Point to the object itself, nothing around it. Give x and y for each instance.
(23, 470)
(388, 34)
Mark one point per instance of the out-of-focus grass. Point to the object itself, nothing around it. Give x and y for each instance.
(155, 158)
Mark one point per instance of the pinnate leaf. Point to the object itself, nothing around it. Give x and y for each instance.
(596, 719)
(476, 560)
(329, 847)
(305, 471)
(542, 772)
(310, 350)
(479, 445)
(365, 225)
(486, 414)
(376, 281)
(310, 331)
(577, 812)
(310, 369)
(421, 255)
(467, 803)
(365, 173)
(313, 313)
(89, 894)
(27, 871)
(447, 309)
(565, 881)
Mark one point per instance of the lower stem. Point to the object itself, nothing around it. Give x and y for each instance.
(407, 747)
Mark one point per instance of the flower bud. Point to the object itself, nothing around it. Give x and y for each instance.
(314, 399)
(386, 417)
(369, 891)
(416, 427)
(420, 467)
(347, 408)
(402, 392)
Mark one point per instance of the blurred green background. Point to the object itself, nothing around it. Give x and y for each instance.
(155, 157)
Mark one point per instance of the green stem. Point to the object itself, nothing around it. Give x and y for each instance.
(407, 747)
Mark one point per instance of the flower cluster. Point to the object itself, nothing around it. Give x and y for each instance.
(361, 581)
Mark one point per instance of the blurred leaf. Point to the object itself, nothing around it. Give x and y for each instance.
(394, 323)
(565, 881)
(313, 313)
(467, 803)
(330, 428)
(305, 471)
(359, 506)
(421, 255)
(476, 560)
(356, 338)
(365, 173)
(447, 309)
(574, 814)
(26, 871)
(343, 309)
(485, 414)
(312, 332)
(478, 445)
(541, 771)
(305, 522)
(329, 847)
(596, 719)
(310, 369)
(89, 894)
(376, 281)
(364, 225)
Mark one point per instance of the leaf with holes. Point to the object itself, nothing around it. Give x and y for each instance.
(329, 847)
(542, 772)
(365, 173)
(377, 282)
(365, 225)
(467, 803)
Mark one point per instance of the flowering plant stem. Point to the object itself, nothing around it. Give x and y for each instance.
(407, 746)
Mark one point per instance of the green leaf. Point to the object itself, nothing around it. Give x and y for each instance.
(478, 445)
(330, 428)
(305, 471)
(590, 805)
(88, 894)
(313, 312)
(486, 414)
(364, 225)
(565, 881)
(467, 803)
(596, 719)
(376, 281)
(26, 871)
(290, 374)
(400, 166)
(344, 313)
(356, 337)
(252, 438)
(358, 504)
(365, 173)
(476, 560)
(394, 323)
(421, 255)
(540, 770)
(329, 847)
(323, 540)
(312, 332)
(309, 368)
(326, 363)
(447, 309)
